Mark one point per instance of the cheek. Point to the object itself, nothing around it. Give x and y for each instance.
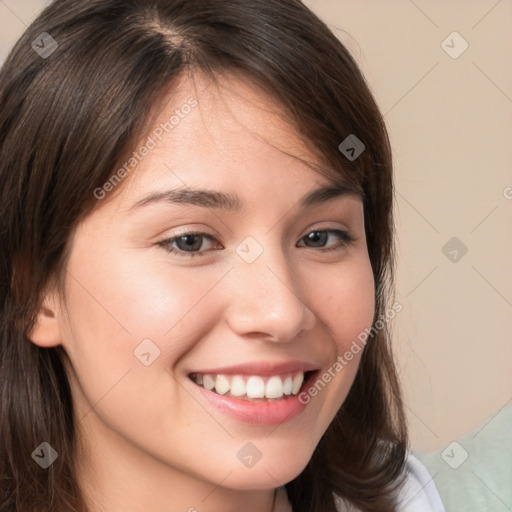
(133, 316)
(118, 298)
(346, 302)
(128, 329)
(345, 306)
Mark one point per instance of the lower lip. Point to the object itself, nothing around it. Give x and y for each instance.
(260, 413)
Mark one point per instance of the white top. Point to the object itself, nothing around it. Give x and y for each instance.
(418, 494)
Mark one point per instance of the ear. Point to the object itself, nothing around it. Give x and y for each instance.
(46, 331)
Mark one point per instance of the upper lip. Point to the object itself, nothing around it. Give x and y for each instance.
(263, 368)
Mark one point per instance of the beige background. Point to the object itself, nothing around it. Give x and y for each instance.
(450, 124)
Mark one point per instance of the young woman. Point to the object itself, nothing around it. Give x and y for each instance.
(196, 267)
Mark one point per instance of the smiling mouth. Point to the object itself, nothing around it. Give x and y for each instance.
(253, 387)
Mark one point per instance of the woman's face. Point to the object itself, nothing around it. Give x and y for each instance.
(167, 287)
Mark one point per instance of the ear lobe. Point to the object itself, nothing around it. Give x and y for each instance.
(46, 331)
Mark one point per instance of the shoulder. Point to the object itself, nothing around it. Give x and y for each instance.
(418, 494)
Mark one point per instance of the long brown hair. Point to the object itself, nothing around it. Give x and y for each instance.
(67, 117)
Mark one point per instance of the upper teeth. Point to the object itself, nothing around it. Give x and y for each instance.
(252, 386)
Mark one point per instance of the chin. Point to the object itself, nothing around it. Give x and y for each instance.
(268, 474)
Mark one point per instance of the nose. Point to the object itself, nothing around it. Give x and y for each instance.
(266, 299)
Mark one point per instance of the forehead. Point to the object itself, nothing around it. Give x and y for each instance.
(222, 133)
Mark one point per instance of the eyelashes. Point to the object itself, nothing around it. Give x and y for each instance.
(190, 247)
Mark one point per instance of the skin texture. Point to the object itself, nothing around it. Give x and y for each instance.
(148, 441)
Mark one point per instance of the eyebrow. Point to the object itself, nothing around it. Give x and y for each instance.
(232, 203)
